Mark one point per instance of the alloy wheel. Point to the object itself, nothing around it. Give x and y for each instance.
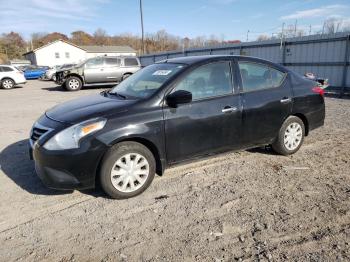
(7, 84)
(74, 84)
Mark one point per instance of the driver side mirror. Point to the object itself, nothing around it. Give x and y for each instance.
(179, 97)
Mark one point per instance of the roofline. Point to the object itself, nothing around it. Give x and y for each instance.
(110, 51)
(58, 40)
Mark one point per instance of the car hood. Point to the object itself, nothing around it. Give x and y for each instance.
(88, 107)
(67, 69)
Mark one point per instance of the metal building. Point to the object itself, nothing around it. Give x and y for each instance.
(327, 56)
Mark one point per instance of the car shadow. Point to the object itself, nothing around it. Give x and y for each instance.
(15, 163)
(266, 150)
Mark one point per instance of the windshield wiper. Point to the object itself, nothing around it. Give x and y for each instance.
(116, 94)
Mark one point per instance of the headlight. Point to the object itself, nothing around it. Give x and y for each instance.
(69, 138)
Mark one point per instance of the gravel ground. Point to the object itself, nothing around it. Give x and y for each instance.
(250, 205)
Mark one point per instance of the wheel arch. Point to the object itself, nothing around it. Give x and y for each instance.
(145, 142)
(76, 75)
(7, 77)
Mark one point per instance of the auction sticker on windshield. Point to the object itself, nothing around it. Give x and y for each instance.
(161, 72)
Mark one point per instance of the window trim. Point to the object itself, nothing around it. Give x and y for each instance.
(242, 91)
(232, 83)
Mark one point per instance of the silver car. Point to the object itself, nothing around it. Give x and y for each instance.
(105, 70)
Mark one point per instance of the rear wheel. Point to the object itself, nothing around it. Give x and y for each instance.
(7, 83)
(125, 76)
(73, 83)
(127, 170)
(290, 137)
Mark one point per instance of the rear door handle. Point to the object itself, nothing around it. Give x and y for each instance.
(286, 100)
(229, 109)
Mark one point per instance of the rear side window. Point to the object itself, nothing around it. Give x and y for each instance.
(130, 62)
(258, 76)
(209, 80)
(5, 69)
(112, 62)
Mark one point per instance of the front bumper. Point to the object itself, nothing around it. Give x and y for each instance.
(67, 169)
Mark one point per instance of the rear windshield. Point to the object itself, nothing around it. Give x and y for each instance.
(147, 81)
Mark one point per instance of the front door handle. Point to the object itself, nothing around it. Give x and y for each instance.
(229, 109)
(286, 100)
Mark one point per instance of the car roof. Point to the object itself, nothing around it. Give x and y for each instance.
(190, 60)
(10, 66)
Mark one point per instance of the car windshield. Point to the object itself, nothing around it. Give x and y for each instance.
(147, 81)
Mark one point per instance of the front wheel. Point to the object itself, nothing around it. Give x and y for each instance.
(73, 83)
(127, 170)
(290, 137)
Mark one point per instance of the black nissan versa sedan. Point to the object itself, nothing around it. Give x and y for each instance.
(171, 111)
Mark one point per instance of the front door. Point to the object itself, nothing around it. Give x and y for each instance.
(211, 122)
(113, 70)
(267, 102)
(94, 71)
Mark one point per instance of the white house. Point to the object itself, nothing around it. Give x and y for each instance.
(63, 52)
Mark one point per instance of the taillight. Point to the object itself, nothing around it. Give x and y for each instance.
(318, 90)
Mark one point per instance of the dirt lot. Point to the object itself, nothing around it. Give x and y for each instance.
(250, 205)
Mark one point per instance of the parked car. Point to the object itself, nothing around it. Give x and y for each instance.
(10, 76)
(322, 82)
(97, 71)
(51, 73)
(171, 111)
(34, 72)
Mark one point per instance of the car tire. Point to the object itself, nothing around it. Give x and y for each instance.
(125, 76)
(290, 137)
(53, 78)
(73, 83)
(127, 170)
(7, 83)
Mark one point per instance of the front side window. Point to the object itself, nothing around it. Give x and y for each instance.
(94, 63)
(130, 62)
(110, 62)
(258, 76)
(147, 81)
(209, 80)
(57, 55)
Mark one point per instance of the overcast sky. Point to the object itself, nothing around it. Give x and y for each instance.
(225, 18)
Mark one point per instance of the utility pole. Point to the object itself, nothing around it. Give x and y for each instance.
(310, 30)
(282, 35)
(324, 24)
(247, 35)
(142, 31)
(295, 27)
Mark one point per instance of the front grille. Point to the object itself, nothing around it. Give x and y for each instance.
(59, 77)
(37, 132)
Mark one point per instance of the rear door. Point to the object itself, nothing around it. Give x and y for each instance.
(212, 121)
(267, 101)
